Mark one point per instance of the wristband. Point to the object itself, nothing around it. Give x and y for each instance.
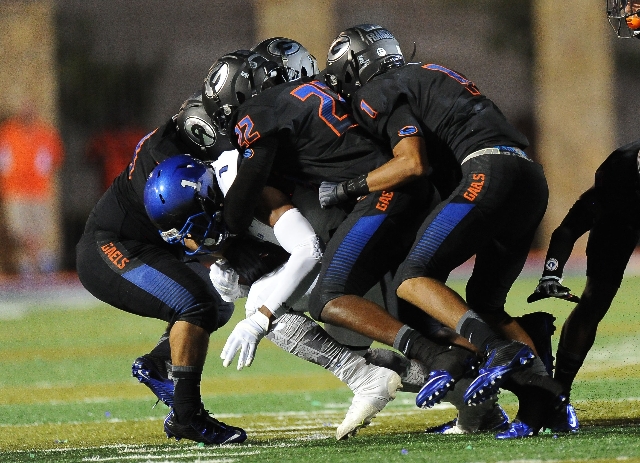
(357, 187)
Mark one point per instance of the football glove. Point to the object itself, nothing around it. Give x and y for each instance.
(226, 281)
(331, 193)
(245, 338)
(549, 286)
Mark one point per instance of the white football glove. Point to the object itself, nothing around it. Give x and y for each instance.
(245, 338)
(226, 281)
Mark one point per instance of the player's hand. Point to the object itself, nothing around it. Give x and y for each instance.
(331, 193)
(550, 286)
(245, 338)
(226, 281)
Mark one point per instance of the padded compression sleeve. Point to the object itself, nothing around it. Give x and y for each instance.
(295, 235)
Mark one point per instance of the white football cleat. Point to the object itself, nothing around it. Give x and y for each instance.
(375, 388)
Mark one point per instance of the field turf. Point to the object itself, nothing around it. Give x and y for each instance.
(67, 395)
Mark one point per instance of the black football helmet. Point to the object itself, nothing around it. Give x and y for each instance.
(233, 79)
(358, 54)
(289, 54)
(624, 17)
(198, 132)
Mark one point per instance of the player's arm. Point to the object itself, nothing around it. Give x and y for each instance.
(409, 162)
(576, 223)
(245, 193)
(297, 237)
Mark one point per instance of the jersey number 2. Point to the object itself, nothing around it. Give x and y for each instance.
(327, 109)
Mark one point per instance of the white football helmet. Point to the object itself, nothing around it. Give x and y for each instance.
(624, 17)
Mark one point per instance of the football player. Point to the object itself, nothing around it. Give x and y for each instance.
(610, 212)
(425, 112)
(302, 131)
(123, 261)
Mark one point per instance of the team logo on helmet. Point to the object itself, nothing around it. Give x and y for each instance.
(217, 78)
(338, 48)
(199, 131)
(278, 47)
(381, 52)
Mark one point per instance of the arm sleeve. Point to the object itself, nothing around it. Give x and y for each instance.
(243, 196)
(297, 237)
(576, 223)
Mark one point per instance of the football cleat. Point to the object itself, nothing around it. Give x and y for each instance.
(500, 362)
(565, 419)
(539, 326)
(378, 387)
(203, 428)
(149, 374)
(517, 430)
(495, 420)
(439, 382)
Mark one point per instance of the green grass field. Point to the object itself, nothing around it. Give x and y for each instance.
(66, 394)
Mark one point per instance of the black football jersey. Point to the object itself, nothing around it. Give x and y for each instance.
(121, 209)
(618, 177)
(437, 103)
(614, 198)
(299, 130)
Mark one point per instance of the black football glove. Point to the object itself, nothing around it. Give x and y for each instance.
(550, 286)
(331, 193)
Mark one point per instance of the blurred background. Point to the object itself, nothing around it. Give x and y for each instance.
(92, 77)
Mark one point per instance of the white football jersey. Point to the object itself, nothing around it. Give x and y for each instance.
(226, 169)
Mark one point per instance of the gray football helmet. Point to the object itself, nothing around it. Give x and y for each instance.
(289, 54)
(358, 54)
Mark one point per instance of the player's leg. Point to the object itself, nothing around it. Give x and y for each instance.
(610, 245)
(369, 242)
(454, 232)
(148, 281)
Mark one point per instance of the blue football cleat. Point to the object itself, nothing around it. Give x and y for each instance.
(204, 428)
(517, 430)
(147, 372)
(439, 382)
(500, 362)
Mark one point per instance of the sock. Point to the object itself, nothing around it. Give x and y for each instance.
(473, 328)
(187, 400)
(299, 335)
(567, 366)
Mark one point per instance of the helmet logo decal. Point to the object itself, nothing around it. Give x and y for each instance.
(217, 78)
(381, 51)
(200, 131)
(279, 47)
(338, 48)
(379, 34)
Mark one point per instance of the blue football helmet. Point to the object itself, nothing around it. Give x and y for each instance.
(183, 200)
(289, 54)
(358, 54)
